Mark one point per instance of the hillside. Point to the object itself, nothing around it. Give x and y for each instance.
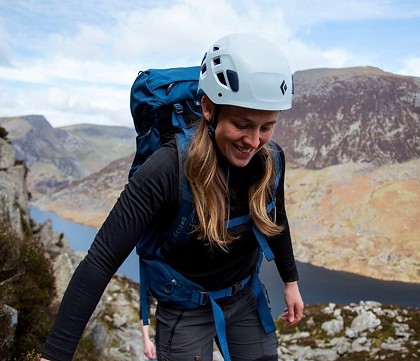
(56, 156)
(354, 217)
(352, 143)
(351, 115)
(358, 218)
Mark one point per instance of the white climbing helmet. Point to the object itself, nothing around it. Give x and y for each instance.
(247, 71)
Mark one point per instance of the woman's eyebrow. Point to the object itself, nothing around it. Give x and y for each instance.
(250, 120)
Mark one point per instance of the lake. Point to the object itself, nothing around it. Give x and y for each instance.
(316, 284)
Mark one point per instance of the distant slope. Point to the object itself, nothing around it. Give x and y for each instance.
(106, 143)
(56, 156)
(358, 218)
(89, 200)
(354, 217)
(351, 115)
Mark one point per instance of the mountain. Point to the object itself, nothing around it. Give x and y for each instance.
(351, 115)
(352, 181)
(56, 156)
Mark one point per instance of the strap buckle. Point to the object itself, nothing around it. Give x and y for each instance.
(178, 108)
(203, 298)
(236, 288)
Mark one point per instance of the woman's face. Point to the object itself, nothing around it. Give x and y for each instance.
(241, 132)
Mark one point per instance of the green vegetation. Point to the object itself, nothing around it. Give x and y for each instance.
(27, 285)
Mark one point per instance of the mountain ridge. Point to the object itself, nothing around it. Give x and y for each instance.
(352, 144)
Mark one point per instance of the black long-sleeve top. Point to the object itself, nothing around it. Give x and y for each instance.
(152, 195)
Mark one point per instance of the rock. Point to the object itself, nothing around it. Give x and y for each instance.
(8, 331)
(360, 344)
(365, 321)
(7, 155)
(14, 196)
(341, 344)
(393, 345)
(333, 327)
(63, 270)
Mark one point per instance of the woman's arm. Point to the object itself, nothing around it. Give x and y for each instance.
(282, 248)
(149, 347)
(294, 304)
(153, 188)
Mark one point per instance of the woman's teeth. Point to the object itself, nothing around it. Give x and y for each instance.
(242, 149)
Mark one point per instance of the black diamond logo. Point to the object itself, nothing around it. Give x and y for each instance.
(283, 87)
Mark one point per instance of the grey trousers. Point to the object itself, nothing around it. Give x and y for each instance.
(188, 335)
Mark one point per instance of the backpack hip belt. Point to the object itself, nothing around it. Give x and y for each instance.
(203, 297)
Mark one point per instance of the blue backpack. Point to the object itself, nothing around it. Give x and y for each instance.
(164, 103)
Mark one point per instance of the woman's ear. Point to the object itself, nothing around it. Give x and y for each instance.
(207, 107)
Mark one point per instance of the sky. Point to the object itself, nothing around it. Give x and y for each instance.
(74, 61)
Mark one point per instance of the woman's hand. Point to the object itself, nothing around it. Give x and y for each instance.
(293, 312)
(149, 348)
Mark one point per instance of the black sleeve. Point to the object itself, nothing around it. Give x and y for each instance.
(152, 188)
(281, 245)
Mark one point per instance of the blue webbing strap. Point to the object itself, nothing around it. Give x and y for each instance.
(143, 294)
(263, 243)
(262, 305)
(219, 320)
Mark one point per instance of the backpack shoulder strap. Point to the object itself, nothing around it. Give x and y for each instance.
(262, 241)
(185, 214)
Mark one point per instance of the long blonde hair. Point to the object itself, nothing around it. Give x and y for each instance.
(211, 194)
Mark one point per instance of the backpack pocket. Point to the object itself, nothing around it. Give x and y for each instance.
(168, 285)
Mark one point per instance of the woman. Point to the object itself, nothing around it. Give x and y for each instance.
(246, 83)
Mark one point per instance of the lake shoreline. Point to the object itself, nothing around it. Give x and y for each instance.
(317, 284)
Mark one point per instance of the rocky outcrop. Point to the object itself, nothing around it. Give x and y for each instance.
(364, 331)
(113, 330)
(14, 197)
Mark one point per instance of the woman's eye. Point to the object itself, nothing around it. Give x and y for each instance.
(241, 126)
(266, 129)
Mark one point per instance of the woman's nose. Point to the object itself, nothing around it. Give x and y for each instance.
(252, 138)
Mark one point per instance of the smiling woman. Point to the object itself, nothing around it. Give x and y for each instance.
(235, 179)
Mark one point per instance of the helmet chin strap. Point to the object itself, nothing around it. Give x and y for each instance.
(213, 122)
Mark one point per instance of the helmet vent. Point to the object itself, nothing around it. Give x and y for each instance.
(203, 68)
(216, 61)
(222, 78)
(204, 59)
(215, 48)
